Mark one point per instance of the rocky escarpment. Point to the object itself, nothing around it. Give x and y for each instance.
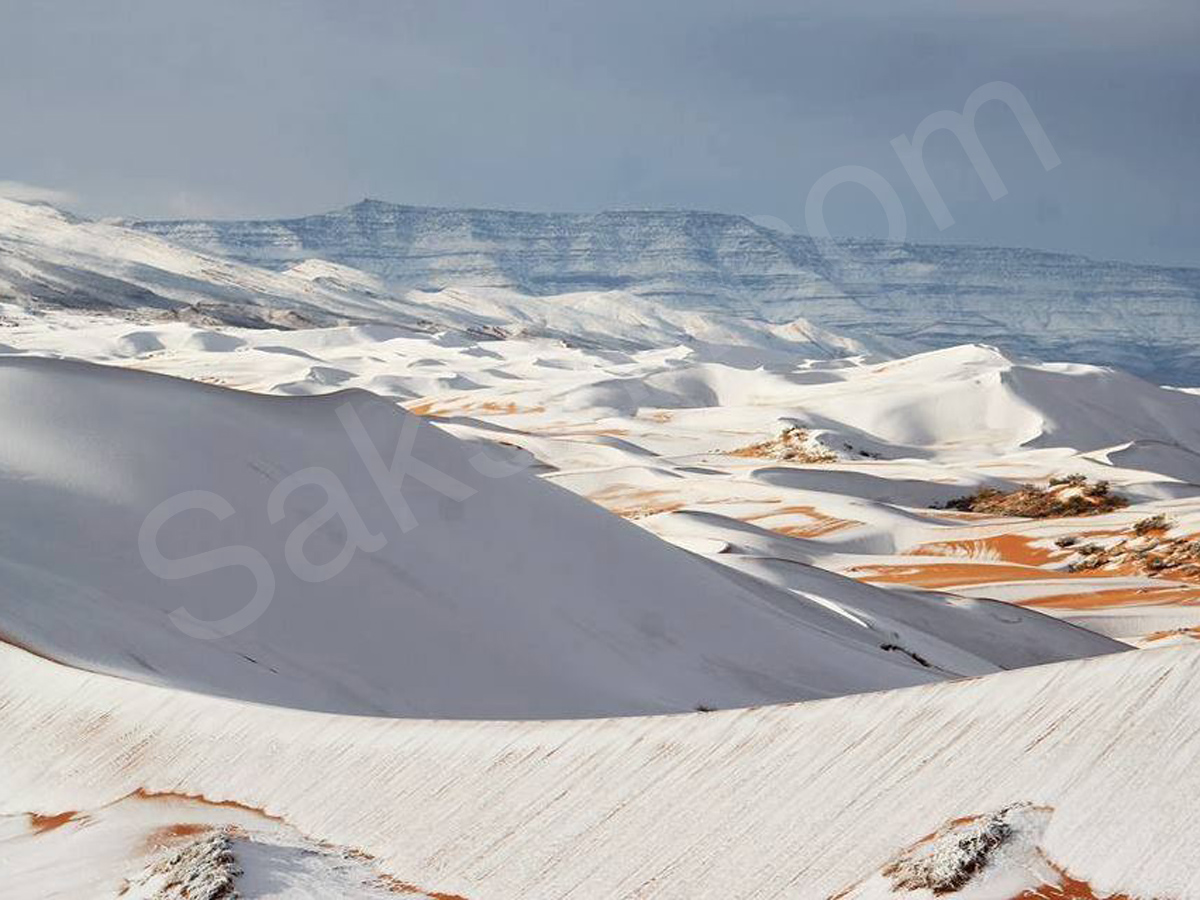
(1051, 305)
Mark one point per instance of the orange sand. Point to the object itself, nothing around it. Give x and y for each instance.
(819, 524)
(944, 575)
(1014, 548)
(42, 824)
(1143, 596)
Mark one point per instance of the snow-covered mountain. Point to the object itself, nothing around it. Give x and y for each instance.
(52, 258)
(1054, 306)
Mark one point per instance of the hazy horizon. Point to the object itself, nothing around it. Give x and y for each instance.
(277, 110)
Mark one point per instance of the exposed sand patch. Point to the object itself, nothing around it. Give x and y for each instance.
(1193, 633)
(42, 824)
(636, 503)
(437, 408)
(1000, 558)
(1014, 548)
(818, 524)
(169, 835)
(504, 409)
(1143, 596)
(428, 408)
(947, 575)
(1068, 888)
(143, 794)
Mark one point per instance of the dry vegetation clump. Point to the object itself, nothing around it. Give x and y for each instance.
(952, 857)
(1149, 552)
(1074, 480)
(1151, 524)
(203, 869)
(794, 444)
(1070, 496)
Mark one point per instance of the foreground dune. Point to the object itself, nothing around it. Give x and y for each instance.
(799, 800)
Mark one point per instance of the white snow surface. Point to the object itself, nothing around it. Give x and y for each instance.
(517, 601)
(1052, 305)
(800, 800)
(658, 544)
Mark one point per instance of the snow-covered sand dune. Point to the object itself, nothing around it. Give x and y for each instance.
(648, 433)
(500, 596)
(798, 800)
(651, 434)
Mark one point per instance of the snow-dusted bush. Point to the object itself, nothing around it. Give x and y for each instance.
(952, 857)
(202, 869)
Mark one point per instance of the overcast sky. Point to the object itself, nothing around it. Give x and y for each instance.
(264, 109)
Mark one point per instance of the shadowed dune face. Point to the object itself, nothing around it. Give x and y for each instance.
(511, 566)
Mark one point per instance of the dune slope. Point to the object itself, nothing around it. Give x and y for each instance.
(472, 589)
(801, 800)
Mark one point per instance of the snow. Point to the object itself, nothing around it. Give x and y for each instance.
(51, 258)
(168, 847)
(647, 432)
(517, 600)
(627, 533)
(1050, 305)
(802, 799)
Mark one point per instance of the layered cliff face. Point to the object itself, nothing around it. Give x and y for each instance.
(1057, 306)
(692, 258)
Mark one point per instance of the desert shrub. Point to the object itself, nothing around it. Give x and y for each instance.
(1151, 524)
(1029, 501)
(972, 502)
(952, 857)
(794, 444)
(1072, 479)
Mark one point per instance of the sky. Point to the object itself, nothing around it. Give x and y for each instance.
(264, 109)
